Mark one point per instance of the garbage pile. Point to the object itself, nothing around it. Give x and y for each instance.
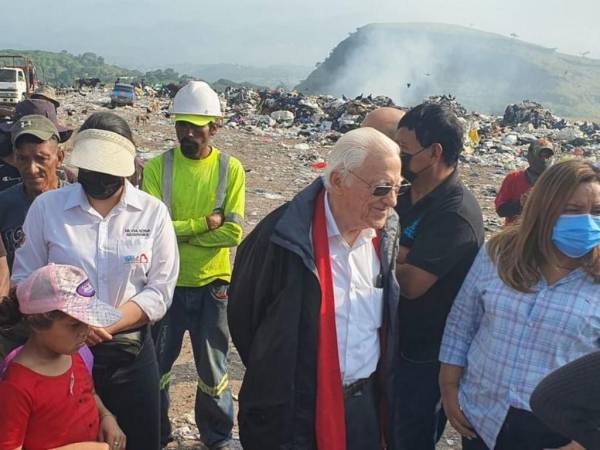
(318, 118)
(533, 113)
(503, 141)
(451, 102)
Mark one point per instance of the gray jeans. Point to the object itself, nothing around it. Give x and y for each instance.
(203, 312)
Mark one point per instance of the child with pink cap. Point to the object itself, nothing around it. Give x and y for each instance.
(46, 390)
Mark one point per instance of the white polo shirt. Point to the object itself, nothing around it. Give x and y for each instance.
(131, 254)
(358, 302)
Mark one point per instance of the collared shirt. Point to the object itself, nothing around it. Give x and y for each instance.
(358, 302)
(131, 254)
(508, 341)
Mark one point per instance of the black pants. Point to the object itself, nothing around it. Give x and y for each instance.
(568, 401)
(131, 394)
(362, 424)
(521, 431)
(419, 419)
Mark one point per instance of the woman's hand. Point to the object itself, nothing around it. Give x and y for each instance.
(111, 433)
(450, 376)
(97, 336)
(454, 414)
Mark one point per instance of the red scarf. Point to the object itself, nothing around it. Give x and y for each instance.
(330, 416)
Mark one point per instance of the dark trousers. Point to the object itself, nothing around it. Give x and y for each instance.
(203, 312)
(362, 424)
(521, 431)
(131, 394)
(568, 401)
(419, 419)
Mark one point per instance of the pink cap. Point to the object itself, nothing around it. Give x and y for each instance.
(67, 289)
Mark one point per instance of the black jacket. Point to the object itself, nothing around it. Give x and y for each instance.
(274, 303)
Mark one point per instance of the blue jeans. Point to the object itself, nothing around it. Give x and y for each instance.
(203, 312)
(419, 419)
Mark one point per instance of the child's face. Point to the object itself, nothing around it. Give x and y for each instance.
(66, 335)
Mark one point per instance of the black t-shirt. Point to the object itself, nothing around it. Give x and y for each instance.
(443, 231)
(9, 176)
(14, 205)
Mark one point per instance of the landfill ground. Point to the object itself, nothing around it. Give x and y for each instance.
(278, 164)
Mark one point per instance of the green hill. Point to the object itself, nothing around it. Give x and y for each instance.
(485, 71)
(63, 68)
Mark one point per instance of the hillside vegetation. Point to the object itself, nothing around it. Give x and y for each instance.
(62, 69)
(485, 71)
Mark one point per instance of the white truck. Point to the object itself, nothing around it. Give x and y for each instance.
(17, 79)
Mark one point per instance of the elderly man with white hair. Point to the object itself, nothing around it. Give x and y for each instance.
(313, 307)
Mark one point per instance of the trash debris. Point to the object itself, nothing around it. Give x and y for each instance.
(533, 113)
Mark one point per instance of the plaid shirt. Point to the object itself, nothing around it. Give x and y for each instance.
(508, 341)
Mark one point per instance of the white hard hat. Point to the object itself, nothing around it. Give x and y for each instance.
(197, 98)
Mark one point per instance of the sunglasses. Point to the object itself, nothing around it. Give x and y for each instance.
(380, 190)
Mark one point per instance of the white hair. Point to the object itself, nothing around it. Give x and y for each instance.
(351, 150)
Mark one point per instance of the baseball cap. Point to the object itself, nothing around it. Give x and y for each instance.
(541, 144)
(195, 119)
(37, 107)
(64, 288)
(103, 151)
(35, 125)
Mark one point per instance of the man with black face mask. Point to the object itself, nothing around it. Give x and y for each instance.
(204, 191)
(442, 230)
(516, 186)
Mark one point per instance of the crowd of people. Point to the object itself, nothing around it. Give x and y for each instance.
(368, 311)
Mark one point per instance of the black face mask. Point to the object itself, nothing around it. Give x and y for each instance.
(407, 174)
(99, 185)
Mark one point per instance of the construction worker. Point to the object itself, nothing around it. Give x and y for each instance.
(204, 191)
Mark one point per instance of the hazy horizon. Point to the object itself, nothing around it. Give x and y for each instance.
(156, 34)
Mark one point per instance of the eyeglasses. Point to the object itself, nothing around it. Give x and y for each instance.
(380, 190)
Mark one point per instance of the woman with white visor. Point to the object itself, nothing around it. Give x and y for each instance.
(123, 238)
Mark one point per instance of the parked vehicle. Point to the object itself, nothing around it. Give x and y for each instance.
(17, 79)
(122, 94)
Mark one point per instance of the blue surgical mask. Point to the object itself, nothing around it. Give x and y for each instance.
(575, 235)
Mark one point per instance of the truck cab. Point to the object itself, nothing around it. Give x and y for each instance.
(13, 85)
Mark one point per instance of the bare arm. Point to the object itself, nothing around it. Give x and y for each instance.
(4, 277)
(449, 379)
(110, 433)
(414, 282)
(82, 446)
(133, 317)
